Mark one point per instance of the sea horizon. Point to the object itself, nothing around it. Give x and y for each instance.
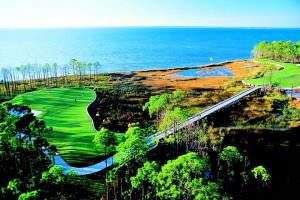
(135, 48)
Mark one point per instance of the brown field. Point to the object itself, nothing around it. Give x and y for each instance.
(166, 78)
(295, 103)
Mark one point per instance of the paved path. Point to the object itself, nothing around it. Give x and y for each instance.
(151, 140)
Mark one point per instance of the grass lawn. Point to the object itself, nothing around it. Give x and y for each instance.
(286, 78)
(73, 130)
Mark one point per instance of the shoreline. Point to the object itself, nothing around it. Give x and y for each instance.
(217, 64)
(242, 70)
(163, 69)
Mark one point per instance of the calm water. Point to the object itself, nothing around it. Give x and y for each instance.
(124, 49)
(202, 73)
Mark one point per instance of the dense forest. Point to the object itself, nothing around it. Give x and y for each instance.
(285, 51)
(191, 164)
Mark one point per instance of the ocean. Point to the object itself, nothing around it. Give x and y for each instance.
(129, 49)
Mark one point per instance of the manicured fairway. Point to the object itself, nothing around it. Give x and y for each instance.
(286, 78)
(64, 109)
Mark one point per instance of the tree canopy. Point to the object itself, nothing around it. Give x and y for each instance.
(182, 178)
(134, 147)
(106, 138)
(260, 173)
(172, 117)
(176, 174)
(231, 154)
(163, 102)
(285, 51)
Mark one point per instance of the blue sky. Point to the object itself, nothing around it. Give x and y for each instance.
(87, 13)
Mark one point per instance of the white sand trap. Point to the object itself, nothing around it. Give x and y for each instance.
(36, 112)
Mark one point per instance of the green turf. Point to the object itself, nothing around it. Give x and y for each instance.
(286, 78)
(72, 128)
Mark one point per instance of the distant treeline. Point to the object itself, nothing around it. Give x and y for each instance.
(285, 51)
(31, 76)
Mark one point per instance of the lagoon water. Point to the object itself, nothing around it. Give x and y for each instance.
(202, 73)
(127, 49)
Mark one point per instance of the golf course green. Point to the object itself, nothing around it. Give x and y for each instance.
(288, 77)
(65, 110)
